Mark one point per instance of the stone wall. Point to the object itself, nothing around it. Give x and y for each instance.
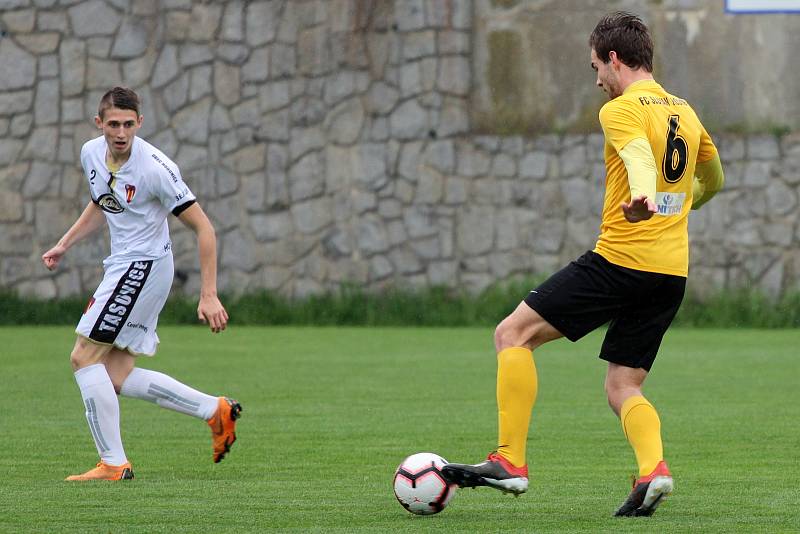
(531, 63)
(331, 141)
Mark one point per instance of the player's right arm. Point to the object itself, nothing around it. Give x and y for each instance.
(90, 220)
(708, 175)
(708, 181)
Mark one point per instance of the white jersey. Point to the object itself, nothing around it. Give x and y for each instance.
(136, 199)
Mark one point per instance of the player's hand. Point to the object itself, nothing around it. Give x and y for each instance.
(211, 311)
(640, 208)
(53, 256)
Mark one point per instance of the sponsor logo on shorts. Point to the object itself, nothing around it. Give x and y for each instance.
(119, 305)
(130, 190)
(109, 203)
(137, 325)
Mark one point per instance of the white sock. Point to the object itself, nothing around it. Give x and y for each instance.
(168, 393)
(102, 412)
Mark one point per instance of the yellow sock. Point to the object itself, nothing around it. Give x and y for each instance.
(643, 429)
(516, 393)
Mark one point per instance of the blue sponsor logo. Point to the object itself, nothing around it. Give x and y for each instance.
(137, 325)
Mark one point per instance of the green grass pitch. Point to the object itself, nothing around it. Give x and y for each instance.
(330, 412)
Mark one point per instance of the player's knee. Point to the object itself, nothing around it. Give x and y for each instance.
(77, 358)
(613, 389)
(506, 336)
(608, 386)
(610, 394)
(618, 391)
(119, 365)
(500, 337)
(509, 334)
(117, 378)
(85, 354)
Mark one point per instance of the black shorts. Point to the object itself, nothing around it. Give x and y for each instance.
(591, 291)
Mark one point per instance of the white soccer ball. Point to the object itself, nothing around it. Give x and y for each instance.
(419, 485)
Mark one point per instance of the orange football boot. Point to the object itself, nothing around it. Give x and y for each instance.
(223, 426)
(104, 471)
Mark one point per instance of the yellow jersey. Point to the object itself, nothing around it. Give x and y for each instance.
(678, 141)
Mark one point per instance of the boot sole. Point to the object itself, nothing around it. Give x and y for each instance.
(660, 488)
(467, 479)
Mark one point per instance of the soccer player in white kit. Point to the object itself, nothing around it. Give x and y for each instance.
(134, 187)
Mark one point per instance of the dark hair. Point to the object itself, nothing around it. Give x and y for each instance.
(628, 36)
(121, 98)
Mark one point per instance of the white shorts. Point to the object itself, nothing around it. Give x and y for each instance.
(124, 309)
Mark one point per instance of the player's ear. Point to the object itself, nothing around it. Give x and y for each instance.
(139, 121)
(98, 121)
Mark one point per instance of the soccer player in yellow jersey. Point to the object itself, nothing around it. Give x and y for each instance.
(660, 163)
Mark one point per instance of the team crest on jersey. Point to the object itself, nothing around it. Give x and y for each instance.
(109, 203)
(130, 190)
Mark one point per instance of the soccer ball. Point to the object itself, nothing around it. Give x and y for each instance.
(419, 485)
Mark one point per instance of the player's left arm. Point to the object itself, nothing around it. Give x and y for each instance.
(210, 310)
(642, 175)
(623, 130)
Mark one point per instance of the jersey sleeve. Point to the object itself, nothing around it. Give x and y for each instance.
(707, 149)
(90, 174)
(170, 188)
(641, 166)
(621, 124)
(708, 181)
